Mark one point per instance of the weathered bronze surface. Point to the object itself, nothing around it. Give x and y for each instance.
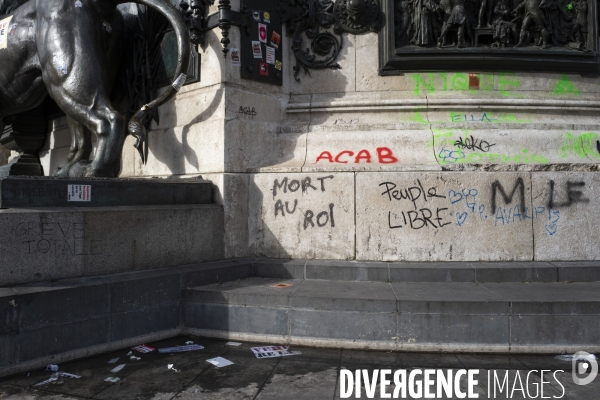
(543, 35)
(323, 22)
(71, 50)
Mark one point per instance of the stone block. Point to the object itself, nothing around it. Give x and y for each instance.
(256, 145)
(214, 272)
(576, 298)
(515, 272)
(231, 191)
(8, 350)
(448, 298)
(57, 339)
(344, 296)
(302, 215)
(555, 331)
(354, 326)
(347, 271)
(42, 306)
(234, 318)
(374, 150)
(259, 292)
(185, 149)
(431, 272)
(493, 144)
(578, 271)
(447, 330)
(444, 216)
(144, 289)
(567, 229)
(60, 243)
(27, 192)
(285, 269)
(145, 321)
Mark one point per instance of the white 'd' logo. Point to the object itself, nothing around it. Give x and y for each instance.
(587, 365)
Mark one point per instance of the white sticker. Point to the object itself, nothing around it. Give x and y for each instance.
(179, 82)
(270, 55)
(78, 4)
(79, 193)
(62, 69)
(220, 362)
(256, 49)
(235, 57)
(4, 29)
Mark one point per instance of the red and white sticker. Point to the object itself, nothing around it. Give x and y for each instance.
(79, 193)
(262, 33)
(143, 348)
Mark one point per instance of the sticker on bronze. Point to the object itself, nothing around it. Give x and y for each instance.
(256, 49)
(275, 39)
(270, 55)
(264, 69)
(262, 33)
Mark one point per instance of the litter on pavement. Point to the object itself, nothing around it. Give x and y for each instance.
(112, 379)
(114, 360)
(233, 344)
(52, 367)
(180, 349)
(54, 377)
(135, 358)
(219, 362)
(143, 348)
(170, 366)
(273, 351)
(117, 368)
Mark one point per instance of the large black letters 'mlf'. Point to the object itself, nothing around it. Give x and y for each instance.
(519, 185)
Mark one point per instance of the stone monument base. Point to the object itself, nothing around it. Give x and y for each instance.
(21, 191)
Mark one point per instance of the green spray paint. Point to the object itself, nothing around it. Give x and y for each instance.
(582, 145)
(417, 117)
(422, 84)
(505, 83)
(565, 86)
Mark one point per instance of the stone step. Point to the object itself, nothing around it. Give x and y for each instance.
(411, 316)
(53, 322)
(379, 271)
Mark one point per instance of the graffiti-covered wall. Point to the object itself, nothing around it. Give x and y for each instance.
(346, 163)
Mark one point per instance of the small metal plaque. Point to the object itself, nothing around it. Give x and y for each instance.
(262, 43)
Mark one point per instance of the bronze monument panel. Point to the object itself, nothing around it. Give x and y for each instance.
(506, 35)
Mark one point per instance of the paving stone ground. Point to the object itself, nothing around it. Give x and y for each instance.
(312, 375)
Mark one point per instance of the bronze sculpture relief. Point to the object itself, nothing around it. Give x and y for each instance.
(492, 24)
